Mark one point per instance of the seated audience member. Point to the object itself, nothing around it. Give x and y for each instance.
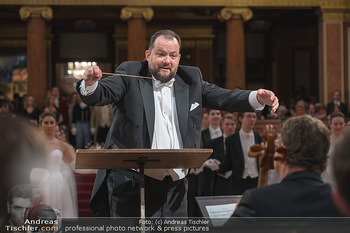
(341, 168)
(311, 110)
(301, 192)
(300, 108)
(321, 113)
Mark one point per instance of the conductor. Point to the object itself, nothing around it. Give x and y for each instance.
(160, 112)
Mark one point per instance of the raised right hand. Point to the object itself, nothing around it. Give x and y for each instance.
(92, 75)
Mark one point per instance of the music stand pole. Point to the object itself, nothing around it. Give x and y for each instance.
(141, 161)
(142, 189)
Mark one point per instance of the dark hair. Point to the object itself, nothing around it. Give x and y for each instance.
(45, 114)
(168, 34)
(20, 190)
(336, 114)
(341, 166)
(307, 141)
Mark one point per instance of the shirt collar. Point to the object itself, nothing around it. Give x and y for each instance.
(241, 131)
(158, 85)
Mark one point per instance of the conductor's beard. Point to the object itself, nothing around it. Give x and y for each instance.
(163, 77)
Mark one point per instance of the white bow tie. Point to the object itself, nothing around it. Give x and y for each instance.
(158, 85)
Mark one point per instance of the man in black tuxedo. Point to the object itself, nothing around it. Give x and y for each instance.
(245, 170)
(343, 107)
(162, 112)
(214, 130)
(301, 193)
(221, 182)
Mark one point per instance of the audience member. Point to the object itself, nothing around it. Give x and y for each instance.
(343, 107)
(74, 98)
(100, 122)
(311, 110)
(17, 103)
(301, 193)
(300, 108)
(321, 113)
(81, 121)
(30, 110)
(61, 104)
(51, 107)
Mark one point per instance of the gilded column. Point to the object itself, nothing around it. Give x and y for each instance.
(235, 59)
(137, 18)
(332, 65)
(36, 50)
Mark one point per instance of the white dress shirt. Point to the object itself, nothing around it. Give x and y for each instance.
(166, 127)
(215, 133)
(250, 166)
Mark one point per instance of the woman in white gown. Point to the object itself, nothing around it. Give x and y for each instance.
(336, 125)
(60, 189)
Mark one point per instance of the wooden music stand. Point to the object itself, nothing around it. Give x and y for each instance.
(141, 159)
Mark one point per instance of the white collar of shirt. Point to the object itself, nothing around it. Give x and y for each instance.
(157, 85)
(215, 133)
(245, 134)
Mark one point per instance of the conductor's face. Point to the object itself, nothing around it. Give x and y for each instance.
(163, 59)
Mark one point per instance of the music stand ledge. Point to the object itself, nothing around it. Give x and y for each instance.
(141, 159)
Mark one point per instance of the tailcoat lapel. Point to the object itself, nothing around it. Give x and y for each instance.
(146, 88)
(181, 92)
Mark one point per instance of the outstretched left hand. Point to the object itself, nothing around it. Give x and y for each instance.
(268, 97)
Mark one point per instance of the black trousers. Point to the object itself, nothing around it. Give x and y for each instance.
(163, 198)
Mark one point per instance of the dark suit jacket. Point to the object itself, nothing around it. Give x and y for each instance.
(343, 108)
(205, 136)
(220, 185)
(206, 139)
(133, 103)
(300, 194)
(234, 159)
